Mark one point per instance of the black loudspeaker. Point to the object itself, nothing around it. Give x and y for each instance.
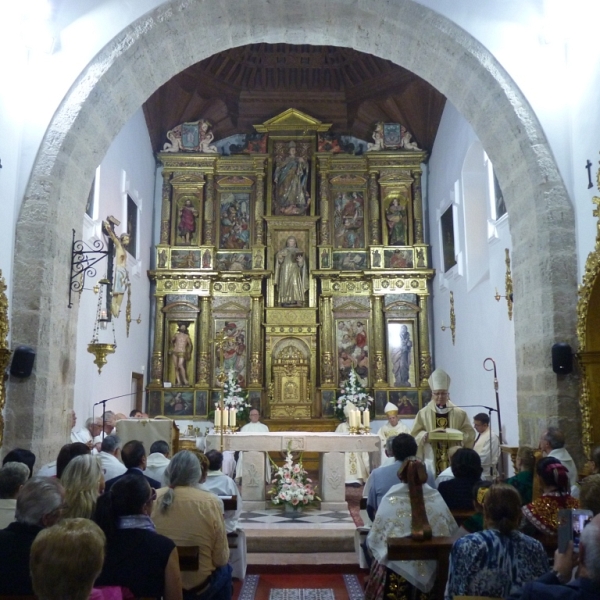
(22, 362)
(562, 359)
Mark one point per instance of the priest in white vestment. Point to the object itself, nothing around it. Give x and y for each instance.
(356, 463)
(90, 434)
(552, 443)
(393, 427)
(440, 414)
(487, 445)
(255, 426)
(158, 460)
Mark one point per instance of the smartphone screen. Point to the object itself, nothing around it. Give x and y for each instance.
(571, 523)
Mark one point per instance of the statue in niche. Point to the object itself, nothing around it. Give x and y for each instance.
(291, 181)
(181, 353)
(396, 219)
(121, 281)
(291, 274)
(187, 222)
(401, 359)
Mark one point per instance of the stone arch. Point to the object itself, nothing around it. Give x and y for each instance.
(180, 33)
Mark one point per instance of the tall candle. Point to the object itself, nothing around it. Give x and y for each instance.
(351, 418)
(366, 418)
(354, 418)
(225, 419)
(218, 417)
(232, 417)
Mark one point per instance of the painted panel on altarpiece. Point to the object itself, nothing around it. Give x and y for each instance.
(398, 259)
(349, 220)
(349, 261)
(234, 261)
(234, 230)
(234, 347)
(179, 403)
(402, 352)
(352, 348)
(406, 401)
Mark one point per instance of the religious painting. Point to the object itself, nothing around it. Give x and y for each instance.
(180, 353)
(234, 220)
(234, 261)
(392, 135)
(349, 219)
(154, 407)
(207, 258)
(201, 403)
(258, 258)
(402, 352)
(425, 397)
(325, 261)
(349, 261)
(447, 232)
(376, 258)
(179, 403)
(185, 259)
(352, 347)
(235, 352)
(407, 403)
(396, 221)
(186, 233)
(291, 271)
(254, 398)
(398, 259)
(132, 226)
(215, 399)
(381, 399)
(291, 177)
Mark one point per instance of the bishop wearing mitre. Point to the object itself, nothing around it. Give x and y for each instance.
(440, 414)
(392, 428)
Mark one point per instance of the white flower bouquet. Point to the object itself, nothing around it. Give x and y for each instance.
(291, 485)
(235, 397)
(352, 391)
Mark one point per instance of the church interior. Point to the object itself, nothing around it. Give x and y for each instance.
(291, 193)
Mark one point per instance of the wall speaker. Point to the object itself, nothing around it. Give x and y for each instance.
(562, 358)
(22, 362)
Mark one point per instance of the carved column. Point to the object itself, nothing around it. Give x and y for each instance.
(324, 188)
(378, 325)
(425, 358)
(159, 333)
(418, 206)
(209, 209)
(203, 355)
(259, 209)
(165, 217)
(327, 377)
(256, 366)
(374, 209)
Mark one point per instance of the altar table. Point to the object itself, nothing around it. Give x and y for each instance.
(331, 446)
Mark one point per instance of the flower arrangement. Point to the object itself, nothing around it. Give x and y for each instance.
(235, 397)
(291, 485)
(352, 391)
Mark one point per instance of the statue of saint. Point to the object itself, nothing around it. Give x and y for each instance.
(401, 359)
(291, 180)
(121, 276)
(291, 274)
(181, 353)
(187, 222)
(395, 216)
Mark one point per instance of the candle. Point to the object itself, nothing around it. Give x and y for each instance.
(232, 417)
(351, 418)
(225, 417)
(366, 418)
(218, 417)
(354, 418)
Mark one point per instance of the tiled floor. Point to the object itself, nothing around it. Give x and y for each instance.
(276, 518)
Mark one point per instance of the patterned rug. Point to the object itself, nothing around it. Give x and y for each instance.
(251, 582)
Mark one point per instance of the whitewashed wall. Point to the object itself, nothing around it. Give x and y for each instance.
(482, 326)
(128, 166)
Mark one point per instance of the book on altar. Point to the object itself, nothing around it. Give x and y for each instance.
(445, 435)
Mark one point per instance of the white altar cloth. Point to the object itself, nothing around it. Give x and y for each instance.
(331, 446)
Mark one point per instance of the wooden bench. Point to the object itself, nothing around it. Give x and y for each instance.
(437, 548)
(461, 515)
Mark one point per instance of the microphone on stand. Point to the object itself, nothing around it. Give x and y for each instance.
(103, 402)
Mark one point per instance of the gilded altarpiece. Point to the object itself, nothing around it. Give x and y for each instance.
(310, 263)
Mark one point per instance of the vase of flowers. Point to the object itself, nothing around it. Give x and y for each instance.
(292, 487)
(235, 397)
(352, 391)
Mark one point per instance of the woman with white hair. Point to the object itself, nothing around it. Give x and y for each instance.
(83, 481)
(193, 517)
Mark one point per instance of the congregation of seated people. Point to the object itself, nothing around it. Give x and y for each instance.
(120, 534)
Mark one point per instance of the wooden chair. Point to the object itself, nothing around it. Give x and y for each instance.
(189, 557)
(437, 548)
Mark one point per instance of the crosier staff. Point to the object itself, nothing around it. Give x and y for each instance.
(493, 368)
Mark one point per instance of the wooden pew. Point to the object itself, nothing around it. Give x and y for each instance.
(437, 548)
